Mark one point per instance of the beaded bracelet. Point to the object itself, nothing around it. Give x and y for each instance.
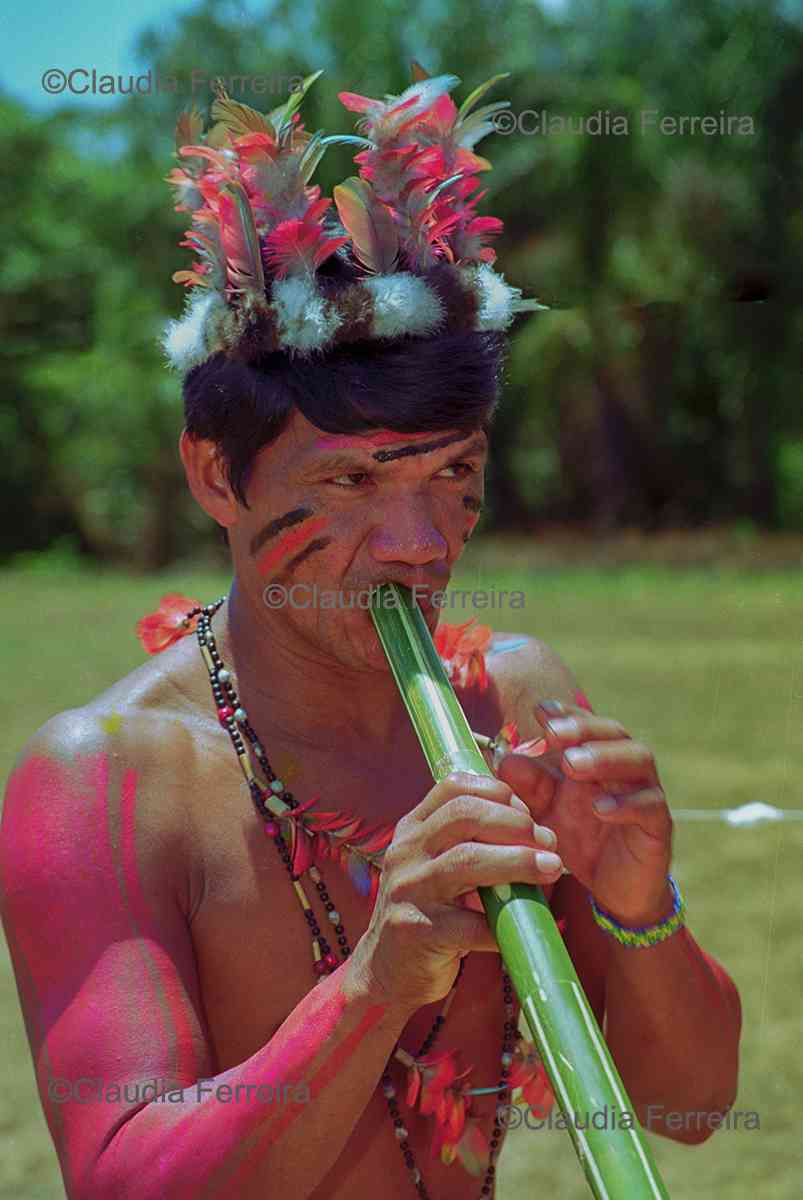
(646, 935)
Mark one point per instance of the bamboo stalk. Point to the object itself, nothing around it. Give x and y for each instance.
(603, 1126)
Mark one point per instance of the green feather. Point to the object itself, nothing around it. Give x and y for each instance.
(369, 224)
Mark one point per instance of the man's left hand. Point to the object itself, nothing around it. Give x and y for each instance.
(622, 855)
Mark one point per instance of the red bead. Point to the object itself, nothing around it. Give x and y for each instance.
(224, 713)
(271, 829)
(330, 960)
(320, 966)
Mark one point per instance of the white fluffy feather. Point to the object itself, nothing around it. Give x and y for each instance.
(403, 303)
(185, 341)
(496, 298)
(304, 319)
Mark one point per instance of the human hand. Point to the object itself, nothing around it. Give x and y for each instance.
(469, 831)
(622, 854)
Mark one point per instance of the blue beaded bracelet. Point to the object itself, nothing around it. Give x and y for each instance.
(646, 935)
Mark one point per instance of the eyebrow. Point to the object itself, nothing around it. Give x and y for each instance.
(357, 460)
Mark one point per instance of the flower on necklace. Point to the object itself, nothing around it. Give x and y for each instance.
(434, 1082)
(529, 1074)
(462, 651)
(158, 630)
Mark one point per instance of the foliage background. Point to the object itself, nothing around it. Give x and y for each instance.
(661, 391)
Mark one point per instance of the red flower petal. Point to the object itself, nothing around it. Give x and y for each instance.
(158, 630)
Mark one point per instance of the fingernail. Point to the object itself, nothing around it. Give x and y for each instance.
(517, 802)
(542, 834)
(567, 727)
(547, 862)
(604, 804)
(578, 756)
(551, 706)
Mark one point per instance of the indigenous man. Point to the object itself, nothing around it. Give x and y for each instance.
(157, 936)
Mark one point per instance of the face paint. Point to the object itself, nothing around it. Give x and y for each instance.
(318, 544)
(292, 542)
(356, 441)
(276, 526)
(420, 448)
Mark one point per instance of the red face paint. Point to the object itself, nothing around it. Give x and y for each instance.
(290, 543)
(382, 437)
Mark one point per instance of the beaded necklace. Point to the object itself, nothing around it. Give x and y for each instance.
(235, 721)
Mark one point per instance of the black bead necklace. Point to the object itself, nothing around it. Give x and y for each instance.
(234, 720)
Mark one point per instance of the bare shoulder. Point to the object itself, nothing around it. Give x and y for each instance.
(144, 718)
(527, 670)
(117, 767)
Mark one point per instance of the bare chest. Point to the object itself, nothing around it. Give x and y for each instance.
(253, 946)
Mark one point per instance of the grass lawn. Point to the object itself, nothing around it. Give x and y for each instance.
(702, 664)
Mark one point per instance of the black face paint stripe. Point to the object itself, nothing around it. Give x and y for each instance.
(276, 526)
(421, 448)
(472, 503)
(315, 544)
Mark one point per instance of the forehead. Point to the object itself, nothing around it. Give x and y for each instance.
(307, 444)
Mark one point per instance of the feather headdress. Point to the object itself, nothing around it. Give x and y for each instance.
(407, 222)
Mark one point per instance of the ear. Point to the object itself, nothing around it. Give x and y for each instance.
(206, 478)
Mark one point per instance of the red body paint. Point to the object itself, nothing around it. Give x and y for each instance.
(290, 543)
(106, 967)
(382, 437)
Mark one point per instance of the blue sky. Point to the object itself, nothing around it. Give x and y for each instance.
(42, 34)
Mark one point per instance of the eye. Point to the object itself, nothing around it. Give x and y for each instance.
(467, 469)
(351, 475)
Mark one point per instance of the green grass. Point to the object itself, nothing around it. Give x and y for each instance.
(704, 665)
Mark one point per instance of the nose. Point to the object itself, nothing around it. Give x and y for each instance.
(406, 533)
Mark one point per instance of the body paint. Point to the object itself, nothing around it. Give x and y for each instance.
(420, 448)
(506, 647)
(318, 544)
(298, 1053)
(79, 991)
(277, 525)
(291, 542)
(51, 810)
(357, 441)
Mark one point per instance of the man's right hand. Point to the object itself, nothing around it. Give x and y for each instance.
(469, 831)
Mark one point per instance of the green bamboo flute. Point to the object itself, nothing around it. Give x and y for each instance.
(604, 1129)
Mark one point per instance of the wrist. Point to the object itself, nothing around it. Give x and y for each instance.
(648, 912)
(362, 989)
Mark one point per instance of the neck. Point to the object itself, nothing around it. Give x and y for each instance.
(293, 691)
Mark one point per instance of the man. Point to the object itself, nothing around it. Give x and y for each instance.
(156, 937)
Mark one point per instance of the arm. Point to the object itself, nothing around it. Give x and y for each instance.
(673, 1021)
(95, 911)
(672, 1013)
